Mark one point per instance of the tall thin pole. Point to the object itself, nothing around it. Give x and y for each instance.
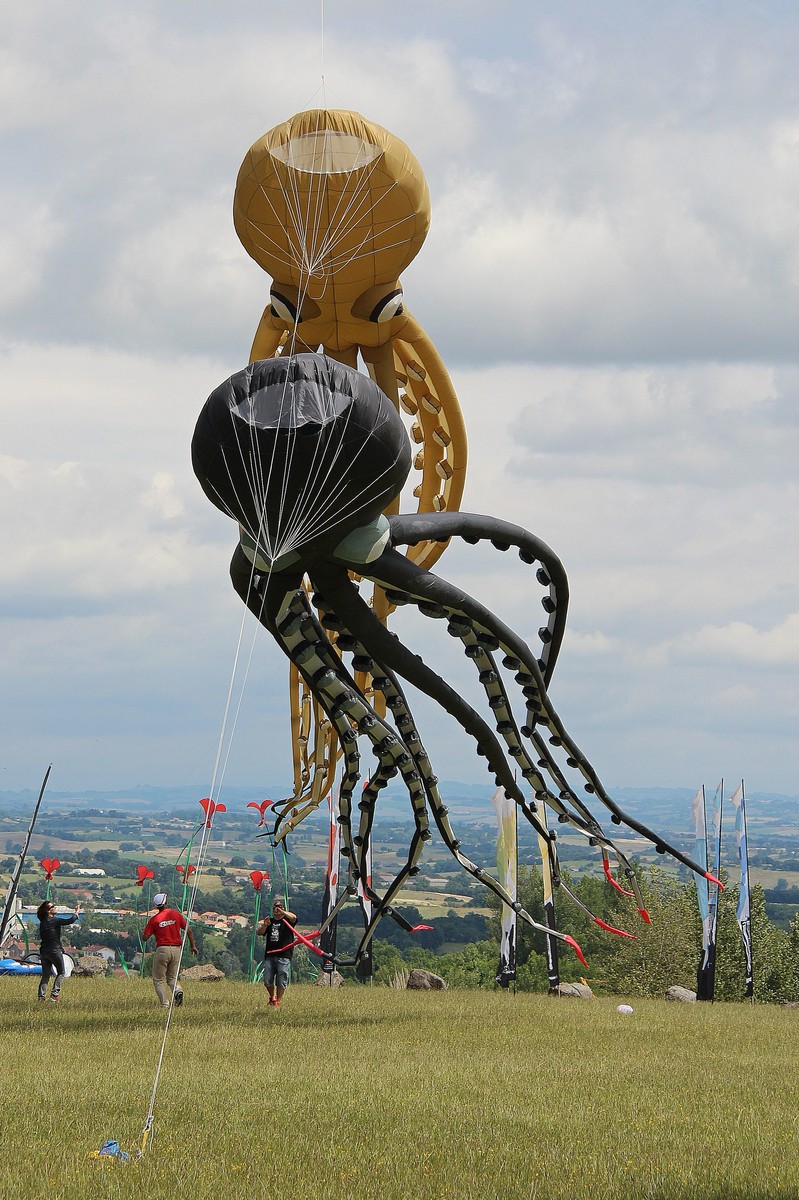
(515, 894)
(11, 895)
(699, 814)
(713, 899)
(327, 942)
(744, 912)
(553, 969)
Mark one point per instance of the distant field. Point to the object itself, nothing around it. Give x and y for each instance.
(438, 904)
(769, 878)
(370, 1092)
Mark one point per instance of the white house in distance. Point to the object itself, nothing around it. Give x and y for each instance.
(97, 871)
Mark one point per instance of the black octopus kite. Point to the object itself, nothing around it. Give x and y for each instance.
(306, 454)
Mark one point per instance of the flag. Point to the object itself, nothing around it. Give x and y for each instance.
(553, 971)
(744, 912)
(706, 975)
(327, 941)
(505, 810)
(365, 968)
(702, 894)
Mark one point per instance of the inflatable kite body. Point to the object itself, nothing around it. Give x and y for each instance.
(306, 454)
(334, 208)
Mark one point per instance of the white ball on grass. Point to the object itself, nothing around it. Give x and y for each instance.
(625, 1010)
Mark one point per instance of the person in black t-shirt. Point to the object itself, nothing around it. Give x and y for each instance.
(51, 951)
(278, 933)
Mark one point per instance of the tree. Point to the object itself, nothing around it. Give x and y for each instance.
(665, 952)
(774, 964)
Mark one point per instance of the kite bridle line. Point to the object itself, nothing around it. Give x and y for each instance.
(301, 526)
(217, 779)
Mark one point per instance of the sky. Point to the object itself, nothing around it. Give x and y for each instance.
(611, 277)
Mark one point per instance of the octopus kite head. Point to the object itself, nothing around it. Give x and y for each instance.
(305, 454)
(333, 207)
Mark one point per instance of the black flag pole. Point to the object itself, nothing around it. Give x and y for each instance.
(11, 895)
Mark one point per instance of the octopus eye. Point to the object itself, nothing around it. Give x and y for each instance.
(283, 309)
(390, 306)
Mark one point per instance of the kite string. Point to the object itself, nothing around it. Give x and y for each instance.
(300, 520)
(227, 731)
(322, 48)
(215, 790)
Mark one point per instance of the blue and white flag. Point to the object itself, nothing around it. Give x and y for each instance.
(744, 913)
(700, 856)
(706, 975)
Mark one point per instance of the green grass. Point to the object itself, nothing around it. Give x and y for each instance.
(375, 1093)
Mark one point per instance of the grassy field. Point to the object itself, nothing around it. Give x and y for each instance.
(371, 1092)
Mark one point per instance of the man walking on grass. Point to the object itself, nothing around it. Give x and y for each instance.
(279, 934)
(166, 926)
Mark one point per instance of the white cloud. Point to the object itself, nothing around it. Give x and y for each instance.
(740, 642)
(615, 241)
(28, 234)
(590, 645)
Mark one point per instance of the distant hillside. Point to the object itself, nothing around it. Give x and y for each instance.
(664, 808)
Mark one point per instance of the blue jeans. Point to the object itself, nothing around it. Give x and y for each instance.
(277, 970)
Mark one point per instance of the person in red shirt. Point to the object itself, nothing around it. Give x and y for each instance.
(166, 926)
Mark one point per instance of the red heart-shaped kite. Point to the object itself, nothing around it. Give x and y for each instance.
(210, 808)
(262, 807)
(49, 865)
(259, 878)
(143, 873)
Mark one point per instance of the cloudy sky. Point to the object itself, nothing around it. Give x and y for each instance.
(611, 278)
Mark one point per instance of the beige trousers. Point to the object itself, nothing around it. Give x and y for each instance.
(165, 967)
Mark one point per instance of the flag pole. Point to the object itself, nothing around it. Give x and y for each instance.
(507, 859)
(516, 893)
(553, 969)
(744, 912)
(327, 941)
(13, 885)
(718, 814)
(699, 813)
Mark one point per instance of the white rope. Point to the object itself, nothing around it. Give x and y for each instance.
(317, 258)
(214, 792)
(314, 256)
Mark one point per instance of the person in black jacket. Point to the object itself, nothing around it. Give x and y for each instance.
(51, 951)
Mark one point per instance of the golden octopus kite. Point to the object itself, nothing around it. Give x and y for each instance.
(334, 208)
(311, 458)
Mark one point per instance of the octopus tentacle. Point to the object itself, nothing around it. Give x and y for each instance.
(401, 716)
(401, 577)
(346, 706)
(483, 661)
(548, 762)
(290, 619)
(478, 650)
(361, 662)
(385, 649)
(409, 530)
